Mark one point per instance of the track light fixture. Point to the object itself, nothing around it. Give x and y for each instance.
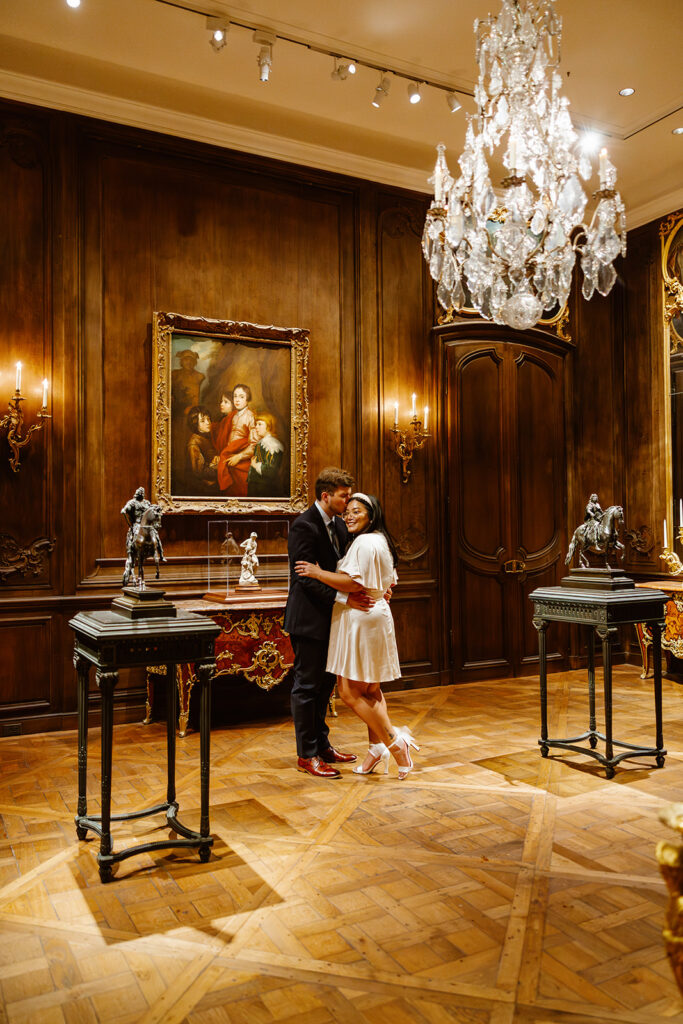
(381, 90)
(343, 68)
(219, 24)
(264, 38)
(218, 27)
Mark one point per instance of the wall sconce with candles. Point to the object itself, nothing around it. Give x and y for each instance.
(406, 441)
(673, 564)
(13, 421)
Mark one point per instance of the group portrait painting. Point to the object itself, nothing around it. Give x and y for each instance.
(230, 406)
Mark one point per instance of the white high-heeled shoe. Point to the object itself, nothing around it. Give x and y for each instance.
(404, 741)
(379, 754)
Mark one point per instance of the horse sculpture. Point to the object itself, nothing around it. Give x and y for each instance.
(143, 542)
(598, 535)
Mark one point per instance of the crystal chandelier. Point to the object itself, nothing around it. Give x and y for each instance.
(511, 255)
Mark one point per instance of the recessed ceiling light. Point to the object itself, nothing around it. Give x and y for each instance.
(677, 131)
(626, 92)
(73, 3)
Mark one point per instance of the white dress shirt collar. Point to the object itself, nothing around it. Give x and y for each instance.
(326, 519)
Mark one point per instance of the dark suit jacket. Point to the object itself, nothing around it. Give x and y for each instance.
(309, 605)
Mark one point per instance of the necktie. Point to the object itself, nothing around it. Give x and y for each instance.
(333, 536)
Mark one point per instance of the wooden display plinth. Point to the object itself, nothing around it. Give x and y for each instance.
(264, 597)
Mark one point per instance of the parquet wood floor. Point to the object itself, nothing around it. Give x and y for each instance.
(491, 887)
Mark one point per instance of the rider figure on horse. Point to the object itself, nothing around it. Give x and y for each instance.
(133, 511)
(142, 540)
(592, 517)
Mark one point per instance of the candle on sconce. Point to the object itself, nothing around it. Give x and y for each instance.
(396, 415)
(666, 542)
(424, 425)
(414, 405)
(513, 155)
(44, 392)
(603, 166)
(18, 377)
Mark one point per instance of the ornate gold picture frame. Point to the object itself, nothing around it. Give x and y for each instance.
(671, 235)
(230, 416)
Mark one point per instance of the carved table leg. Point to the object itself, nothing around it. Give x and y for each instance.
(149, 701)
(644, 644)
(541, 626)
(591, 687)
(82, 667)
(607, 635)
(185, 683)
(205, 673)
(106, 682)
(657, 665)
(170, 734)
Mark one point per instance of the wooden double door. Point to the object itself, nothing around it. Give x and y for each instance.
(506, 499)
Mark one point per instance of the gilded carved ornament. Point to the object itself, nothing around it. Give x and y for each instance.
(671, 236)
(670, 860)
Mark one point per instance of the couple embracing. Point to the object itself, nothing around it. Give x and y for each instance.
(341, 627)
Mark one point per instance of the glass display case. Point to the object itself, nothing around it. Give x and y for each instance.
(247, 558)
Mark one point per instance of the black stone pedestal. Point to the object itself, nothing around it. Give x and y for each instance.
(110, 642)
(602, 609)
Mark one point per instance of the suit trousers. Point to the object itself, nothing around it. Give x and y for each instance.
(311, 691)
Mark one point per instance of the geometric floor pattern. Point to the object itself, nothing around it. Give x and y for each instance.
(492, 886)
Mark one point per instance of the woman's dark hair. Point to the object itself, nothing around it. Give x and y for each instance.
(193, 417)
(245, 388)
(376, 523)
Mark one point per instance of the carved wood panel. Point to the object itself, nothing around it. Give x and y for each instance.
(505, 483)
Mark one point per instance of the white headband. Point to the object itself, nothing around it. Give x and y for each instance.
(359, 495)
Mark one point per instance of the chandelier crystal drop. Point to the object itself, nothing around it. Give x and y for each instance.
(511, 254)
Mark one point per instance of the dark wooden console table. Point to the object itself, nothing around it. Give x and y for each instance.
(110, 642)
(250, 641)
(602, 612)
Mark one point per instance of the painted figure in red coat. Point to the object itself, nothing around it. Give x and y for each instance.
(220, 430)
(235, 454)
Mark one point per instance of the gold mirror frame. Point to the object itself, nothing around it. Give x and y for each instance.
(671, 244)
(670, 231)
(250, 336)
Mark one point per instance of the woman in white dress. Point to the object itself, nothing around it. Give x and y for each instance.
(362, 650)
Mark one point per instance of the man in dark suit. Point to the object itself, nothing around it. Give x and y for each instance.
(317, 535)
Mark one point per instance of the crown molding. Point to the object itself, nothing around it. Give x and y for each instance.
(29, 89)
(654, 209)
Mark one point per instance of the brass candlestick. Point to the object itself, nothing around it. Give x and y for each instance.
(673, 564)
(407, 441)
(13, 422)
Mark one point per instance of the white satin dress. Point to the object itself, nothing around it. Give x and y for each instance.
(363, 643)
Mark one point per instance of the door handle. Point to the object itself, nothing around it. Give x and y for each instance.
(514, 567)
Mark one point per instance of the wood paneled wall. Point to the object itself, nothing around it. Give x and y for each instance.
(107, 225)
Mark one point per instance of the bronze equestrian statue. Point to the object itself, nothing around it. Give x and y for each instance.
(599, 533)
(142, 540)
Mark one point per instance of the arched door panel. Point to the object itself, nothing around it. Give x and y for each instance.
(504, 419)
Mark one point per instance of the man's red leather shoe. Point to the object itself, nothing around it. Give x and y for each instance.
(317, 767)
(331, 755)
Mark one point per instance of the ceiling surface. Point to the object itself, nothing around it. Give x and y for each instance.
(148, 63)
